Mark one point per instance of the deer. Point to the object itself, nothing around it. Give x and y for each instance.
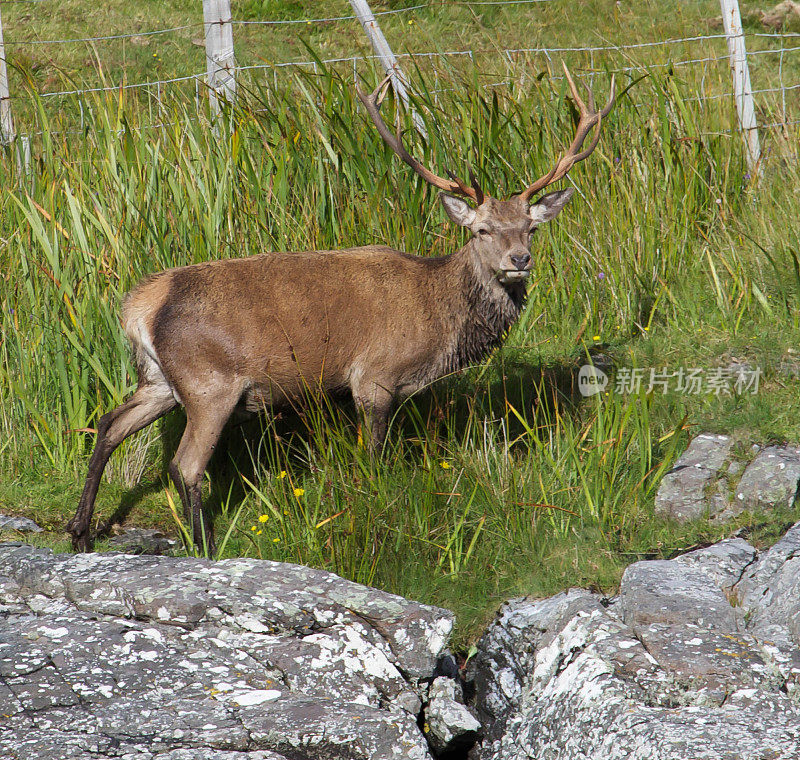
(256, 333)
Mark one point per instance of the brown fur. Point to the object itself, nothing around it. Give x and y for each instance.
(397, 321)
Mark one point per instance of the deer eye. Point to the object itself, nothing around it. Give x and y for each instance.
(483, 232)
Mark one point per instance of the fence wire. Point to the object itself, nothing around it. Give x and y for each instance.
(105, 38)
(264, 22)
(509, 53)
(703, 52)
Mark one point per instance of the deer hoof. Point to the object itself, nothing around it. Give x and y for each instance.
(82, 542)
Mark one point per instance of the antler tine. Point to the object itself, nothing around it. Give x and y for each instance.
(594, 119)
(381, 90)
(476, 187)
(600, 116)
(395, 142)
(612, 95)
(589, 119)
(463, 188)
(574, 91)
(473, 190)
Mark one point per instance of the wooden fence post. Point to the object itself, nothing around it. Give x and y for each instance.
(743, 92)
(220, 61)
(24, 155)
(386, 57)
(7, 132)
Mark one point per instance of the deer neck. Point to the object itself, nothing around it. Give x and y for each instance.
(485, 311)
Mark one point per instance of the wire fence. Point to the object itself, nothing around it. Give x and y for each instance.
(703, 60)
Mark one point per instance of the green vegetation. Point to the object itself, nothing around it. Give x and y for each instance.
(497, 482)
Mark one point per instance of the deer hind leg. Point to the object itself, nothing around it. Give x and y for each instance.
(205, 419)
(145, 406)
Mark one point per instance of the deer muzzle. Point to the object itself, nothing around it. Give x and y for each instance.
(519, 269)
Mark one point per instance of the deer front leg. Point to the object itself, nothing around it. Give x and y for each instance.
(374, 402)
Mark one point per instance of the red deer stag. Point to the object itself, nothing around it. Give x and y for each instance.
(261, 331)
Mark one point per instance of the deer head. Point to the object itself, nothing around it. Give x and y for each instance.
(502, 230)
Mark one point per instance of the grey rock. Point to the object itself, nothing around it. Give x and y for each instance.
(303, 727)
(22, 524)
(580, 701)
(666, 672)
(682, 494)
(735, 469)
(770, 591)
(449, 725)
(724, 510)
(789, 368)
(145, 657)
(248, 595)
(724, 562)
(194, 754)
(616, 730)
(142, 541)
(505, 653)
(50, 745)
(701, 660)
(661, 591)
(770, 480)
(446, 688)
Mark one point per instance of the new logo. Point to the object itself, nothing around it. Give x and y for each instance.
(591, 380)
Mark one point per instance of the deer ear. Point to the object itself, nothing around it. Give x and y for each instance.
(549, 205)
(459, 211)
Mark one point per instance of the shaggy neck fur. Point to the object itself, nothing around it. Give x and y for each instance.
(488, 310)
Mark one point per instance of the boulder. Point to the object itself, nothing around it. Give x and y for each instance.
(724, 563)
(770, 480)
(701, 482)
(662, 591)
(505, 654)
(677, 667)
(110, 655)
(449, 725)
(683, 492)
(770, 591)
(21, 524)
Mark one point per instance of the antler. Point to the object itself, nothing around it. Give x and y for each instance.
(457, 186)
(589, 118)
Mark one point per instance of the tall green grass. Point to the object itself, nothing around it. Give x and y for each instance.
(494, 479)
(300, 168)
